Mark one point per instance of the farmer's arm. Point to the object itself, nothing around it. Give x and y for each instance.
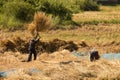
(37, 39)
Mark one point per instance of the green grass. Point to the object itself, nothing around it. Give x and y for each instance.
(9, 22)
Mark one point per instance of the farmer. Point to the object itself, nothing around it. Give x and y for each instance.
(32, 48)
(94, 55)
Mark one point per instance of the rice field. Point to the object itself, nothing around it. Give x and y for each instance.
(62, 65)
(57, 66)
(97, 16)
(107, 15)
(105, 38)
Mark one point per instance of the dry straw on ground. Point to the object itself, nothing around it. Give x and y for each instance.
(40, 23)
(60, 65)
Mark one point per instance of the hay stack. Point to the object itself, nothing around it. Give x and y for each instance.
(40, 23)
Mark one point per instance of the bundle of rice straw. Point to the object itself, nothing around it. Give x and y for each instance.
(40, 23)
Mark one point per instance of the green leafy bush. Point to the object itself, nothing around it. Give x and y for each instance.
(20, 10)
(10, 23)
(2, 2)
(89, 5)
(34, 3)
(14, 14)
(56, 8)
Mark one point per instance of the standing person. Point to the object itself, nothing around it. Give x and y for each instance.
(32, 49)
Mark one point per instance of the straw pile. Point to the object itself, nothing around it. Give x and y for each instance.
(40, 23)
(20, 45)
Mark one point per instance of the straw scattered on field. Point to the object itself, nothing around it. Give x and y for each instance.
(96, 16)
(58, 65)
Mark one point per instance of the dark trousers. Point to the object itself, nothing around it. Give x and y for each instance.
(30, 55)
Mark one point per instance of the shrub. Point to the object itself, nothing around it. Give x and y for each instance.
(56, 8)
(89, 5)
(20, 10)
(34, 3)
(10, 23)
(15, 13)
(2, 2)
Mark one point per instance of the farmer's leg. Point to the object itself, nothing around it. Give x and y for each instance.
(91, 56)
(30, 56)
(97, 56)
(35, 55)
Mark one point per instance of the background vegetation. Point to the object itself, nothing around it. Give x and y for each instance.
(14, 14)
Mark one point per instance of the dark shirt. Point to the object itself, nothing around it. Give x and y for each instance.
(32, 44)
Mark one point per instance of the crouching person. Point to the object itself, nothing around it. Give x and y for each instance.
(32, 49)
(94, 55)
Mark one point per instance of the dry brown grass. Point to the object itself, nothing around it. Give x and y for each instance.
(58, 66)
(40, 23)
(96, 16)
(105, 38)
(62, 65)
(110, 8)
(108, 14)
